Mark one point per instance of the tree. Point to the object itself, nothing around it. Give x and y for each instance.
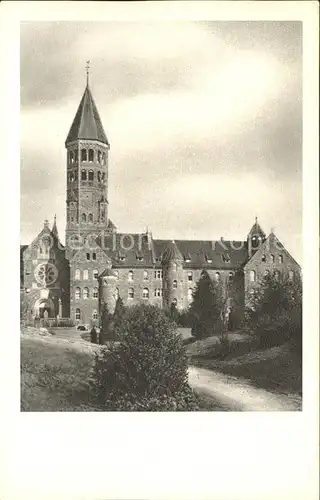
(206, 307)
(276, 312)
(119, 317)
(147, 370)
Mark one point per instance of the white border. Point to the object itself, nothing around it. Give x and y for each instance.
(158, 456)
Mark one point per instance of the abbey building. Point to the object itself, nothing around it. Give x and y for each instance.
(98, 264)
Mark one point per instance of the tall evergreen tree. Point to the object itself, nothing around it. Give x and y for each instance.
(119, 318)
(206, 307)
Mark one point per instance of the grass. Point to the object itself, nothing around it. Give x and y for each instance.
(277, 369)
(55, 373)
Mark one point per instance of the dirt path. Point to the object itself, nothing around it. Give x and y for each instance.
(238, 394)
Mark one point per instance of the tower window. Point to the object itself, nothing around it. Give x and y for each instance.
(130, 293)
(145, 293)
(95, 293)
(94, 256)
(77, 294)
(76, 155)
(190, 276)
(252, 276)
(94, 314)
(103, 159)
(85, 274)
(71, 158)
(217, 276)
(77, 274)
(91, 155)
(99, 176)
(86, 293)
(90, 218)
(99, 156)
(174, 284)
(83, 217)
(263, 258)
(91, 175)
(130, 276)
(280, 259)
(145, 275)
(83, 155)
(78, 314)
(95, 274)
(83, 175)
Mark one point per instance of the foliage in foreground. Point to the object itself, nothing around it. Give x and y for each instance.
(147, 369)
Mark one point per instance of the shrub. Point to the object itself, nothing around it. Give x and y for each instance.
(147, 370)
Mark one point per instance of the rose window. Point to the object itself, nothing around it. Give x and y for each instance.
(46, 274)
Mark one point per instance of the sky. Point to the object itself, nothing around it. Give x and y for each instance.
(204, 120)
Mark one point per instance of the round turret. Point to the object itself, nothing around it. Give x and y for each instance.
(172, 271)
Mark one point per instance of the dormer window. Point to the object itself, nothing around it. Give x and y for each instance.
(187, 257)
(139, 257)
(208, 259)
(226, 257)
(263, 258)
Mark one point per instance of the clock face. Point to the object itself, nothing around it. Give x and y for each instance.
(46, 274)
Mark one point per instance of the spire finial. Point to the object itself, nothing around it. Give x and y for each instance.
(256, 219)
(87, 70)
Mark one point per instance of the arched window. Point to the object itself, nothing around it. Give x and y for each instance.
(130, 293)
(277, 275)
(280, 259)
(99, 156)
(94, 314)
(95, 293)
(76, 155)
(71, 157)
(217, 276)
(99, 176)
(130, 276)
(190, 292)
(91, 154)
(252, 276)
(86, 293)
(85, 274)
(95, 274)
(94, 256)
(83, 217)
(291, 276)
(157, 292)
(103, 159)
(77, 274)
(83, 155)
(78, 314)
(190, 276)
(174, 284)
(83, 175)
(272, 258)
(145, 293)
(90, 218)
(145, 275)
(77, 295)
(91, 175)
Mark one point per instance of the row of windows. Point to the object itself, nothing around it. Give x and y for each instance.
(272, 258)
(85, 293)
(87, 155)
(78, 314)
(86, 175)
(85, 274)
(276, 274)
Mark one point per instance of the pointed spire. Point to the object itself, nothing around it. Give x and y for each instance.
(87, 122)
(256, 229)
(87, 69)
(172, 253)
(54, 227)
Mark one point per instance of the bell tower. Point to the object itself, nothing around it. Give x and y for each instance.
(87, 173)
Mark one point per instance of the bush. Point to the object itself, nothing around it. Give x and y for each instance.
(147, 370)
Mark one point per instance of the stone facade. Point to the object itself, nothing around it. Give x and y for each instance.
(99, 264)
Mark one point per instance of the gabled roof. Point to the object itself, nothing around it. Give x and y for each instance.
(87, 123)
(127, 250)
(265, 248)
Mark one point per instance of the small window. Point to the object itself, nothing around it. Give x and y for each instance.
(91, 155)
(94, 256)
(77, 274)
(83, 217)
(263, 258)
(230, 277)
(190, 276)
(145, 293)
(272, 258)
(95, 293)
(99, 156)
(190, 294)
(85, 274)
(145, 275)
(83, 175)
(86, 293)
(95, 274)
(94, 314)
(71, 157)
(103, 159)
(88, 256)
(91, 175)
(83, 155)
(77, 295)
(280, 259)
(78, 314)
(252, 276)
(217, 276)
(130, 276)
(76, 155)
(99, 176)
(158, 274)
(158, 292)
(90, 218)
(226, 257)
(291, 276)
(130, 293)
(174, 284)
(140, 258)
